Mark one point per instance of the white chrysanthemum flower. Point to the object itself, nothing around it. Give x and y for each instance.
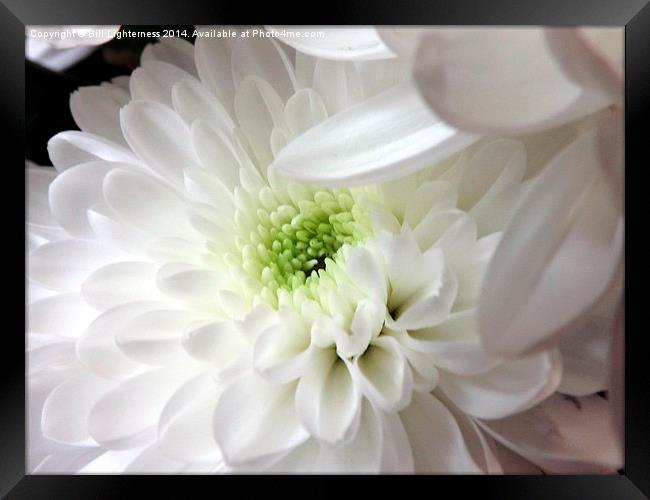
(191, 310)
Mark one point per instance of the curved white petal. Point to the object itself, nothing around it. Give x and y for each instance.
(65, 264)
(74, 191)
(218, 342)
(281, 351)
(65, 413)
(185, 430)
(327, 400)
(187, 283)
(193, 101)
(212, 59)
(66, 314)
(499, 81)
(147, 204)
(586, 355)
(338, 83)
(97, 348)
(127, 416)
(509, 388)
(304, 110)
(154, 337)
(367, 273)
(175, 51)
(97, 110)
(563, 435)
(38, 180)
(385, 375)
(259, 109)
(556, 257)
(453, 345)
(153, 81)
(400, 136)
(435, 437)
(70, 148)
(121, 283)
(341, 44)
(254, 419)
(217, 153)
(593, 57)
(263, 58)
(158, 136)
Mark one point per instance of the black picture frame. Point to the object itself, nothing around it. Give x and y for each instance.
(632, 483)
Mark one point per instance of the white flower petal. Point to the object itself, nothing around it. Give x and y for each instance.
(52, 355)
(327, 400)
(217, 153)
(385, 375)
(480, 445)
(263, 57)
(154, 337)
(593, 57)
(509, 388)
(586, 356)
(175, 51)
(363, 454)
(121, 283)
(259, 109)
(186, 283)
(499, 81)
(66, 314)
(74, 191)
(111, 231)
(154, 80)
(402, 41)
(38, 180)
(207, 187)
(128, 415)
(65, 264)
(147, 203)
(334, 43)
(430, 196)
(63, 460)
(212, 59)
(96, 110)
(397, 456)
(400, 136)
(563, 435)
(158, 136)
(496, 166)
(112, 461)
(67, 149)
(367, 273)
(254, 419)
(436, 439)
(555, 258)
(193, 101)
(338, 83)
(97, 348)
(218, 342)
(281, 351)
(185, 431)
(366, 324)
(453, 345)
(304, 110)
(65, 413)
(430, 309)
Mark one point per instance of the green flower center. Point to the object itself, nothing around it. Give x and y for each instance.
(296, 235)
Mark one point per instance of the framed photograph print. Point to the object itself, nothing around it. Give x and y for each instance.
(390, 241)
